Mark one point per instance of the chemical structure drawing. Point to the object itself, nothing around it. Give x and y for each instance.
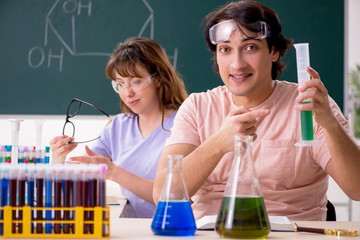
(49, 57)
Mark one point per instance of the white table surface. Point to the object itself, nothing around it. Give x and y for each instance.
(140, 228)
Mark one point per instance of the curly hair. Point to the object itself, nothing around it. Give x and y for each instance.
(246, 13)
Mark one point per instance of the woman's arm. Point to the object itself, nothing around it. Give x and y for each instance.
(141, 187)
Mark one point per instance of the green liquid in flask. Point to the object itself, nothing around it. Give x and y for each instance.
(242, 217)
(307, 131)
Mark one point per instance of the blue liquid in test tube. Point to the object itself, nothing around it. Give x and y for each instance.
(4, 176)
(48, 198)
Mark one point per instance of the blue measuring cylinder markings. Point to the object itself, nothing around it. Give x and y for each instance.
(174, 218)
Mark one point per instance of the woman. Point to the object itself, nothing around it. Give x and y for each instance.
(150, 92)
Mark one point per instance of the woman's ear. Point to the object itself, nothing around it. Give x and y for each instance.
(157, 82)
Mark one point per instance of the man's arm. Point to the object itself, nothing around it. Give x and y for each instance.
(344, 166)
(199, 162)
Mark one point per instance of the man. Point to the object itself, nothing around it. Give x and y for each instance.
(248, 46)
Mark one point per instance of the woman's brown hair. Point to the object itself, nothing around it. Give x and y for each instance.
(147, 53)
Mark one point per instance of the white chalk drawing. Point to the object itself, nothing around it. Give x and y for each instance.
(37, 54)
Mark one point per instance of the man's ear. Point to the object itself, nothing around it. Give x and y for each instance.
(275, 54)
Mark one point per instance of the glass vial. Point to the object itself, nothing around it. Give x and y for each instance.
(242, 213)
(174, 216)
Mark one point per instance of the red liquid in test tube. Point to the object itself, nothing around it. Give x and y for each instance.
(21, 188)
(57, 197)
(67, 196)
(12, 194)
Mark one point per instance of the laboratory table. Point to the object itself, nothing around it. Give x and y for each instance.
(139, 228)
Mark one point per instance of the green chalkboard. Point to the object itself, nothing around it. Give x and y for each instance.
(54, 50)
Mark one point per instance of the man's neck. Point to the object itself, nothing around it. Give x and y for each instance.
(255, 99)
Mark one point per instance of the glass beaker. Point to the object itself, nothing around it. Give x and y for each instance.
(242, 213)
(174, 216)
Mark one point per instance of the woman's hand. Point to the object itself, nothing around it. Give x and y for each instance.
(139, 186)
(60, 147)
(94, 158)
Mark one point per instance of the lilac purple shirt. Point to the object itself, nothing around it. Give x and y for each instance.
(124, 143)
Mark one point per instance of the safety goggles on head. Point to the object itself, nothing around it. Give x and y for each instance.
(222, 31)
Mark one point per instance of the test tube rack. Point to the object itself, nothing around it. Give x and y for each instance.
(101, 222)
(25, 154)
(67, 201)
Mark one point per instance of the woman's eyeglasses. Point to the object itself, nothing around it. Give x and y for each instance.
(72, 110)
(134, 85)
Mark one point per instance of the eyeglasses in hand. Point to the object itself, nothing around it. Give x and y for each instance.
(72, 110)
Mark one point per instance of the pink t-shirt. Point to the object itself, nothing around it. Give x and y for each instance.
(292, 179)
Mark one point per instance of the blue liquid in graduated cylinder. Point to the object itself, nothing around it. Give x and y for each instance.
(174, 218)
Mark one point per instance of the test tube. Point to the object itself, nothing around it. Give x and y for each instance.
(21, 176)
(102, 195)
(4, 181)
(68, 172)
(12, 194)
(37, 155)
(85, 180)
(38, 133)
(49, 176)
(32, 155)
(78, 198)
(21, 154)
(93, 169)
(40, 175)
(57, 195)
(2, 153)
(47, 154)
(15, 123)
(302, 61)
(8, 153)
(26, 154)
(30, 175)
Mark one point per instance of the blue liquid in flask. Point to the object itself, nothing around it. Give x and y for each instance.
(174, 218)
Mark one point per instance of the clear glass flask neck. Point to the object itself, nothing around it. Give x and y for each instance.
(174, 187)
(242, 180)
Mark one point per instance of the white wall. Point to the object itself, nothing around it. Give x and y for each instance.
(347, 209)
(353, 33)
(89, 127)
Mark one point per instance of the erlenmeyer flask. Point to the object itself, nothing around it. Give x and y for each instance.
(174, 216)
(242, 213)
